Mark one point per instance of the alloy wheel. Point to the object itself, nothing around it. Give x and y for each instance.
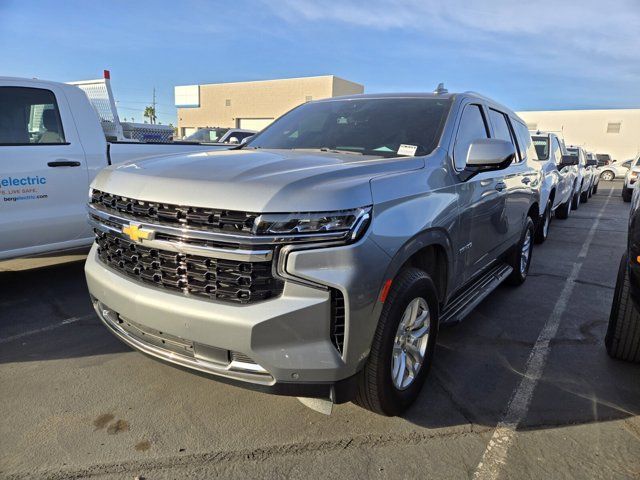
(410, 343)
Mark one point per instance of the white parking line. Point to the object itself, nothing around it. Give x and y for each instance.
(44, 329)
(495, 455)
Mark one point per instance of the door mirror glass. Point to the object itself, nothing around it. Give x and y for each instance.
(488, 154)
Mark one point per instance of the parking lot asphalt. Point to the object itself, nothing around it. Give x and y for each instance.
(77, 403)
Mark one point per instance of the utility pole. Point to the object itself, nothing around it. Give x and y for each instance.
(153, 119)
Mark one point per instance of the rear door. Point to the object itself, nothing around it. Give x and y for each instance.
(482, 200)
(43, 175)
(522, 179)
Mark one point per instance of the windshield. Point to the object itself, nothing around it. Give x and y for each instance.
(572, 151)
(542, 147)
(370, 126)
(207, 135)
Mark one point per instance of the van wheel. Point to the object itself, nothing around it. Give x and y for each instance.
(542, 232)
(520, 258)
(403, 346)
(623, 333)
(562, 212)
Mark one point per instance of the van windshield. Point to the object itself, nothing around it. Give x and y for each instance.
(384, 127)
(542, 147)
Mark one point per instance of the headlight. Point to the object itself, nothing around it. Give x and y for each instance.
(342, 224)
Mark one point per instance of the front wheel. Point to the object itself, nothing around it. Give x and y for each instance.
(520, 258)
(607, 176)
(623, 333)
(627, 193)
(403, 346)
(562, 212)
(542, 232)
(576, 201)
(584, 197)
(595, 189)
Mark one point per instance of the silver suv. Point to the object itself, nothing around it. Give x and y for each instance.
(319, 259)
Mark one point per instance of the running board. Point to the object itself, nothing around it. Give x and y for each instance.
(462, 304)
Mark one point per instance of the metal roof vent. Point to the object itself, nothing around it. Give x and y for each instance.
(440, 90)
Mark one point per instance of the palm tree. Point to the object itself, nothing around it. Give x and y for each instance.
(150, 113)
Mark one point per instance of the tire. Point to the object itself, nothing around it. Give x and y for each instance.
(595, 189)
(584, 197)
(607, 176)
(623, 333)
(542, 232)
(562, 212)
(377, 390)
(590, 191)
(576, 201)
(627, 193)
(520, 271)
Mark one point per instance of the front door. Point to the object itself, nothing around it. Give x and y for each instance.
(43, 174)
(483, 220)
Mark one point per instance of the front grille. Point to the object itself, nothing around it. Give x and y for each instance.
(163, 213)
(216, 279)
(337, 320)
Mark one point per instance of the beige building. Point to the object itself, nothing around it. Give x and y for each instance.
(615, 131)
(252, 105)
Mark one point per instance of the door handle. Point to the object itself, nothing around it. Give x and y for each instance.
(526, 180)
(64, 163)
(500, 186)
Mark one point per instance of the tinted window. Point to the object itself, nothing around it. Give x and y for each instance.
(472, 127)
(525, 145)
(501, 128)
(371, 126)
(541, 145)
(29, 116)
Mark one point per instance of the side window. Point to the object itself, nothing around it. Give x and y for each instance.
(472, 127)
(557, 151)
(501, 128)
(29, 116)
(526, 148)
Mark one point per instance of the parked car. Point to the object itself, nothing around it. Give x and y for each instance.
(630, 180)
(52, 144)
(559, 180)
(220, 135)
(623, 333)
(614, 170)
(320, 258)
(585, 175)
(592, 164)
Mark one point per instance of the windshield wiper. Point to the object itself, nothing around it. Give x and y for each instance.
(330, 150)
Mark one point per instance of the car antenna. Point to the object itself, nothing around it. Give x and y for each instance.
(440, 90)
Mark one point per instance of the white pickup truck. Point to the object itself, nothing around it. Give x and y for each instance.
(52, 145)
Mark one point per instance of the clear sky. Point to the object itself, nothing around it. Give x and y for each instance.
(527, 54)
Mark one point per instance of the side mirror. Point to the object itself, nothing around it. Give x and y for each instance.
(569, 161)
(233, 140)
(486, 155)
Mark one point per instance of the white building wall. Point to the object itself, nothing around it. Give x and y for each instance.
(589, 129)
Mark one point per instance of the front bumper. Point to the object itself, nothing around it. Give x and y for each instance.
(283, 343)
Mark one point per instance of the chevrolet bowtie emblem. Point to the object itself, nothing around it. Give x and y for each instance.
(135, 233)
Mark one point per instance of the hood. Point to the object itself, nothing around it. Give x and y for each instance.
(254, 180)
